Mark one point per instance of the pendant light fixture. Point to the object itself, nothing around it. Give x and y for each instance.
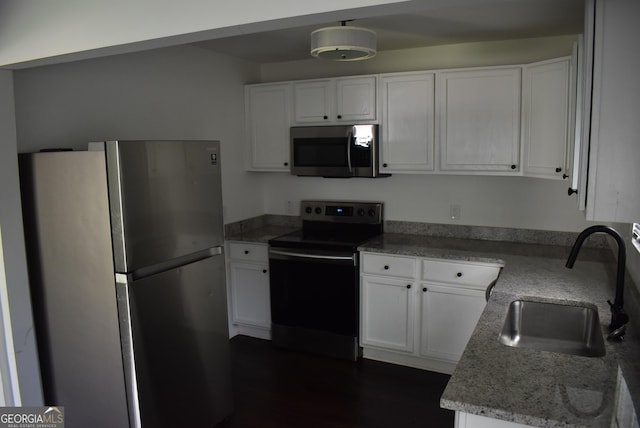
(342, 43)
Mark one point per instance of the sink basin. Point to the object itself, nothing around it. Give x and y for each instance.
(553, 327)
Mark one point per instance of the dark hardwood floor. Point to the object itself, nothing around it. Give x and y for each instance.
(280, 388)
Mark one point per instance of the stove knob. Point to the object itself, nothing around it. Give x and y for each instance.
(372, 212)
(308, 210)
(361, 212)
(318, 210)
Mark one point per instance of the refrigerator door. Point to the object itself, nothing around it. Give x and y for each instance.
(68, 238)
(175, 324)
(165, 200)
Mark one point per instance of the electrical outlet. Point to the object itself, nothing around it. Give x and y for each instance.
(288, 209)
(454, 211)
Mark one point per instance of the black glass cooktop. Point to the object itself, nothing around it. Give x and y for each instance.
(318, 240)
(339, 225)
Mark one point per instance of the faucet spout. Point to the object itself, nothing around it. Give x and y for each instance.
(618, 317)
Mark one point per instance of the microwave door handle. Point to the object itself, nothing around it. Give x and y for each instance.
(349, 142)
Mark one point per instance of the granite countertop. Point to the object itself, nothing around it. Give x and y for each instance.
(259, 234)
(524, 385)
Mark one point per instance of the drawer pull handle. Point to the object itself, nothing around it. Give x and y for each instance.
(264, 271)
(246, 251)
(408, 285)
(386, 267)
(459, 274)
(424, 289)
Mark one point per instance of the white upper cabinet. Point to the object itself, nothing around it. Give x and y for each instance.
(480, 120)
(454, 121)
(312, 101)
(356, 99)
(614, 155)
(268, 118)
(546, 108)
(331, 101)
(407, 117)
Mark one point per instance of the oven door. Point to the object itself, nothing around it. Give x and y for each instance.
(315, 301)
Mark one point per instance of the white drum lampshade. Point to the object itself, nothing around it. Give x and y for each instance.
(343, 43)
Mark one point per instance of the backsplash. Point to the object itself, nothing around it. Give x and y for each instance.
(240, 227)
(524, 236)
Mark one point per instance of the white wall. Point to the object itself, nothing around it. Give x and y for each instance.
(172, 93)
(517, 202)
(15, 269)
(187, 92)
(78, 29)
(476, 54)
(488, 201)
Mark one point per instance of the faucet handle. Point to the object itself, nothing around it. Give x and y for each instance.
(618, 317)
(618, 333)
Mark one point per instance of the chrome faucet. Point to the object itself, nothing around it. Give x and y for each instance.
(618, 317)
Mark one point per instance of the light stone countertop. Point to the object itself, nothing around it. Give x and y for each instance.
(523, 385)
(260, 235)
(517, 384)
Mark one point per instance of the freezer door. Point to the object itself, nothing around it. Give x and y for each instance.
(165, 200)
(176, 345)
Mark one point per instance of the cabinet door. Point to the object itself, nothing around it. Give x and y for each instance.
(614, 153)
(250, 303)
(545, 114)
(387, 313)
(480, 120)
(448, 317)
(407, 117)
(468, 420)
(313, 101)
(625, 416)
(355, 99)
(268, 118)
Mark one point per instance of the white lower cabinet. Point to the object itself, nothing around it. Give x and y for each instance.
(249, 298)
(448, 317)
(395, 299)
(420, 312)
(468, 420)
(625, 414)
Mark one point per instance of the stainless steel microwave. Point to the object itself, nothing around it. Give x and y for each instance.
(335, 151)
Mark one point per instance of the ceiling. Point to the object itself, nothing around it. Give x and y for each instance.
(424, 23)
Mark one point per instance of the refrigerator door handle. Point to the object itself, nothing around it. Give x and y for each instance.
(126, 340)
(169, 264)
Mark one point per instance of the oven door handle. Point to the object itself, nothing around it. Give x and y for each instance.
(351, 258)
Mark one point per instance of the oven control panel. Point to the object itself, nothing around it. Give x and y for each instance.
(342, 211)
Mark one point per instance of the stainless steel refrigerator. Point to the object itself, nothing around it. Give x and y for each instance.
(126, 267)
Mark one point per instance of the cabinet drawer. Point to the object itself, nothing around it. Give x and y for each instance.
(388, 265)
(469, 274)
(248, 252)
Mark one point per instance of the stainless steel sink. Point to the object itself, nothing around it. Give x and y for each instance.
(553, 327)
